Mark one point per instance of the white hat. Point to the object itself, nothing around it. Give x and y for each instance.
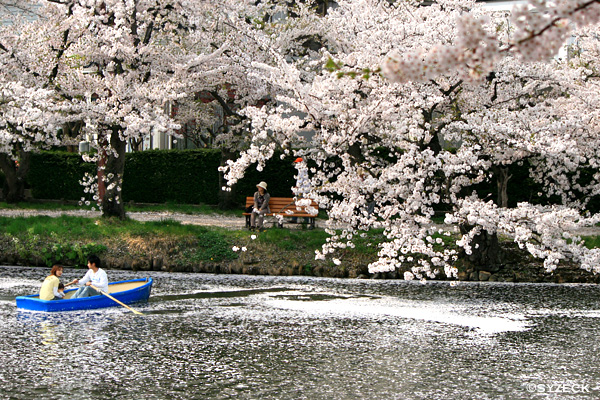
(263, 185)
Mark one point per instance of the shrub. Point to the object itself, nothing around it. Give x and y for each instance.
(179, 176)
(56, 175)
(157, 176)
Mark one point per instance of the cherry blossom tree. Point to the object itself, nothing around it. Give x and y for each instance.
(117, 72)
(248, 31)
(118, 64)
(33, 115)
(20, 132)
(534, 115)
(125, 61)
(413, 146)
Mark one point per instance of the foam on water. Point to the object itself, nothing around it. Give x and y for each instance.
(9, 283)
(416, 311)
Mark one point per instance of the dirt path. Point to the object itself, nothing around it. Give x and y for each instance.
(189, 219)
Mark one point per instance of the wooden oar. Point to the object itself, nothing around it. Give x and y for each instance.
(120, 302)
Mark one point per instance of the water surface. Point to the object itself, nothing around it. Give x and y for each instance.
(247, 337)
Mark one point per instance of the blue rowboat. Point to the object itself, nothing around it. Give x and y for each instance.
(128, 292)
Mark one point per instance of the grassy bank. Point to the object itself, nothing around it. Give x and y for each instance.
(170, 246)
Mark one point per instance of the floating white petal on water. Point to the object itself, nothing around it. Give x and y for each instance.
(445, 314)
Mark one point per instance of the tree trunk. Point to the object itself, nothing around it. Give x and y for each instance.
(226, 198)
(502, 178)
(15, 176)
(486, 251)
(136, 144)
(112, 202)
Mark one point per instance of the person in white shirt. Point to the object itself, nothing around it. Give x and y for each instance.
(95, 276)
(302, 187)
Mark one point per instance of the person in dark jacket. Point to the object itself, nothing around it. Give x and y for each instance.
(261, 206)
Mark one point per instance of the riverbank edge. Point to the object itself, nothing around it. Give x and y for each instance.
(161, 254)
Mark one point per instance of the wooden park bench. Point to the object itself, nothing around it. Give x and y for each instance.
(286, 207)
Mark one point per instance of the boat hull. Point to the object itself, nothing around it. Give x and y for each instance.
(128, 292)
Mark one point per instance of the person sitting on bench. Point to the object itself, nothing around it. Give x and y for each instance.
(261, 206)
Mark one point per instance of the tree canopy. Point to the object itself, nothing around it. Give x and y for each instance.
(398, 108)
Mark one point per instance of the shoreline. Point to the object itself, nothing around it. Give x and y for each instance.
(428, 281)
(204, 244)
(266, 261)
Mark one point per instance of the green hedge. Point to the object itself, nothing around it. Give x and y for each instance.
(157, 176)
(56, 175)
(180, 176)
(278, 174)
(192, 177)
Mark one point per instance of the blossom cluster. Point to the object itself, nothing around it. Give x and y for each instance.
(536, 31)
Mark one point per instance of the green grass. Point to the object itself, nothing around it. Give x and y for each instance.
(71, 238)
(592, 242)
(212, 246)
(367, 243)
(73, 228)
(293, 240)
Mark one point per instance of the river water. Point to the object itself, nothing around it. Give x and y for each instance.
(253, 337)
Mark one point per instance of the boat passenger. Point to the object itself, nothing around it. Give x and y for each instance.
(95, 276)
(49, 289)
